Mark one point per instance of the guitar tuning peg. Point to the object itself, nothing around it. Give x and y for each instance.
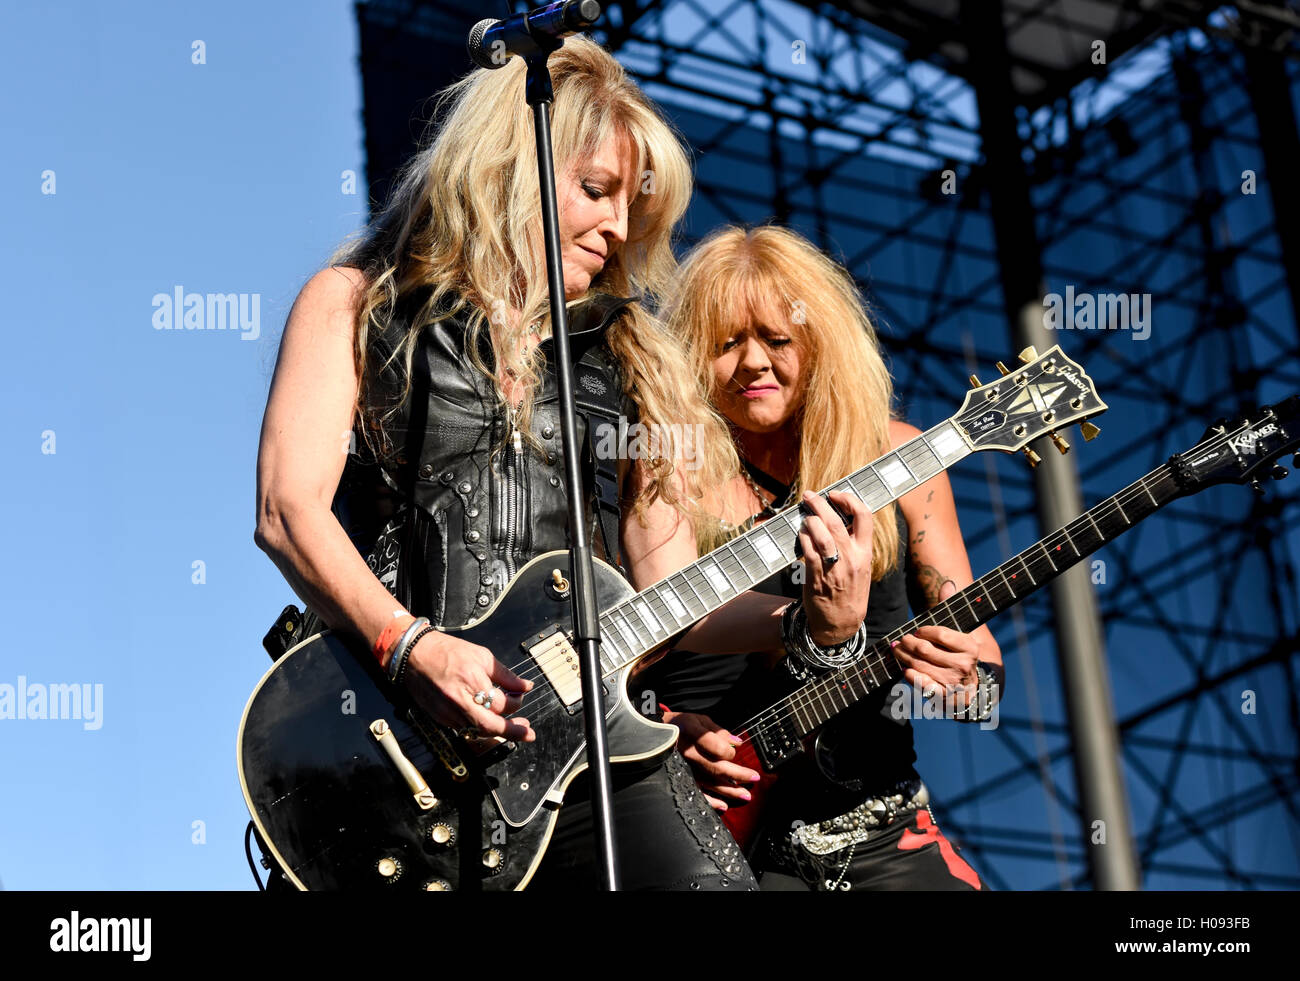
(1027, 355)
(1061, 444)
(1033, 458)
(1255, 486)
(1279, 472)
(1090, 432)
(1003, 368)
(974, 382)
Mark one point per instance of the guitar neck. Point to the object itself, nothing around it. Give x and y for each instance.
(816, 703)
(634, 627)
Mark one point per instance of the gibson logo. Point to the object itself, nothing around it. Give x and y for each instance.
(1069, 374)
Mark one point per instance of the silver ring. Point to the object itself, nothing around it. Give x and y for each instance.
(482, 698)
(828, 563)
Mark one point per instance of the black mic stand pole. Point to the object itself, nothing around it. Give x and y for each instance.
(540, 94)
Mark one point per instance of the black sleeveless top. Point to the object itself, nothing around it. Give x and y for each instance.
(869, 747)
(458, 506)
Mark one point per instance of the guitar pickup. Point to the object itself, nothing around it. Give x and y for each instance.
(558, 659)
(559, 663)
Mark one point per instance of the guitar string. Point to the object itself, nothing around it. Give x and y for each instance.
(821, 689)
(771, 715)
(916, 448)
(912, 453)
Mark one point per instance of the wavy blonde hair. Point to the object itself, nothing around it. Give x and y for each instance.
(736, 277)
(463, 223)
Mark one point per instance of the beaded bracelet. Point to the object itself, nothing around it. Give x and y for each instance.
(406, 653)
(403, 647)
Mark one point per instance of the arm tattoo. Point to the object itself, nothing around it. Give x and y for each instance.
(929, 581)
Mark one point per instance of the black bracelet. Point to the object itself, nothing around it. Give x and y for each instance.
(406, 653)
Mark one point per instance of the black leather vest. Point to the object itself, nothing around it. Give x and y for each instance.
(484, 502)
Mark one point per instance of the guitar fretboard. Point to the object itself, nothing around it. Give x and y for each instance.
(644, 622)
(816, 703)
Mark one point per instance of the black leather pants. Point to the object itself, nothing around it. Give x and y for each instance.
(668, 837)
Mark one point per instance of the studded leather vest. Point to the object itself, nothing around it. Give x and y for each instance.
(465, 500)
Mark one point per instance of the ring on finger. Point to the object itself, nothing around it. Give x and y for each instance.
(485, 698)
(829, 561)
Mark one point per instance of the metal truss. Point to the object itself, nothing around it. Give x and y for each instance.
(870, 146)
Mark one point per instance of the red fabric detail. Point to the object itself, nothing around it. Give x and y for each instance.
(930, 832)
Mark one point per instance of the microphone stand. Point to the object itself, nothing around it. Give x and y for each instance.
(539, 94)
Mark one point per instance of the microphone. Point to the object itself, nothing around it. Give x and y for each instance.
(493, 42)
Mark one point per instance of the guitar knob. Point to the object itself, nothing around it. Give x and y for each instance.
(441, 836)
(1255, 486)
(974, 382)
(1090, 432)
(437, 885)
(1028, 354)
(1003, 368)
(494, 862)
(1033, 458)
(1280, 472)
(389, 869)
(1061, 444)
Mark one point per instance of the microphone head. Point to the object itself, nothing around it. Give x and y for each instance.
(477, 52)
(580, 16)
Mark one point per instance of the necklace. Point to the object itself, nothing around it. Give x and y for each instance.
(774, 507)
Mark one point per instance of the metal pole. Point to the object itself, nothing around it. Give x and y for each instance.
(1106, 827)
(586, 621)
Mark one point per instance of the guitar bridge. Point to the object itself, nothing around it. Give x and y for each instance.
(441, 745)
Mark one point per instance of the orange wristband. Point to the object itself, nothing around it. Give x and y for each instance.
(390, 635)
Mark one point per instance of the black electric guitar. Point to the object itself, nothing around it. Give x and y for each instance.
(1241, 452)
(352, 787)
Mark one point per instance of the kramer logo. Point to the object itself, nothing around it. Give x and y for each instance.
(1246, 443)
(102, 935)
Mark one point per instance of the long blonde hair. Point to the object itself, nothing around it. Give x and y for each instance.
(464, 223)
(734, 278)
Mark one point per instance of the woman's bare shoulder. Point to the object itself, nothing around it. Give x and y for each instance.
(900, 432)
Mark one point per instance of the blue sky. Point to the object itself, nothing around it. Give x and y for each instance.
(222, 177)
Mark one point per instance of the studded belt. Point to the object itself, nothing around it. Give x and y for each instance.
(811, 850)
